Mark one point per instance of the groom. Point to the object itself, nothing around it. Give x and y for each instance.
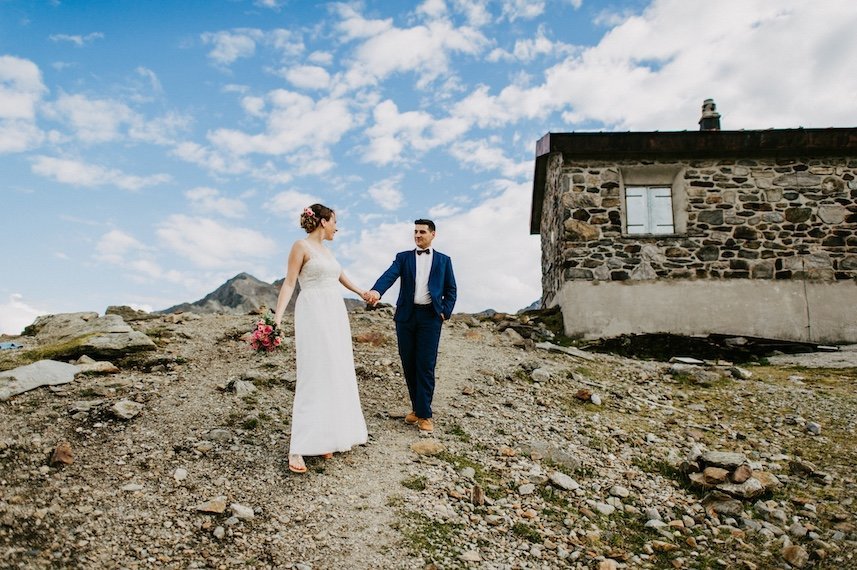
(426, 297)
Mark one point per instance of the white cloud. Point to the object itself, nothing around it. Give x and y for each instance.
(77, 40)
(387, 194)
(307, 76)
(210, 200)
(15, 315)
(19, 136)
(320, 58)
(668, 58)
(230, 46)
(210, 159)
(432, 8)
(475, 11)
(353, 26)
(21, 88)
(443, 211)
(152, 78)
(241, 43)
(93, 120)
(209, 244)
(291, 203)
(528, 49)
(115, 246)
(295, 122)
(522, 9)
(423, 49)
(21, 91)
(393, 132)
(487, 155)
(79, 173)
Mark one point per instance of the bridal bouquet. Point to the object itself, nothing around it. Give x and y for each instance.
(266, 337)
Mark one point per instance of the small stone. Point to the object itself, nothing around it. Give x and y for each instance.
(608, 564)
(216, 505)
(797, 530)
(219, 533)
(477, 496)
(724, 459)
(126, 409)
(427, 447)
(595, 399)
(526, 489)
(540, 375)
(219, 434)
(563, 481)
(180, 474)
(741, 474)
(605, 509)
(470, 556)
(467, 472)
(583, 395)
(62, 454)
(652, 514)
(813, 428)
(619, 491)
(795, 555)
(242, 512)
(661, 546)
(132, 487)
(715, 475)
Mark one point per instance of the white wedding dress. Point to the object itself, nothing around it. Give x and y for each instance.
(326, 415)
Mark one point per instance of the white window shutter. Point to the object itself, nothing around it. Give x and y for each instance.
(661, 208)
(636, 210)
(648, 210)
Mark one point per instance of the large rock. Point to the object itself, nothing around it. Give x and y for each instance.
(70, 335)
(41, 373)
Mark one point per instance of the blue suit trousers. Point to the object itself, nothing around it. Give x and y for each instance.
(419, 338)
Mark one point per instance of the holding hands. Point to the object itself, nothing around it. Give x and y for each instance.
(371, 297)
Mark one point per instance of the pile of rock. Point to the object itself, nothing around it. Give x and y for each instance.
(728, 472)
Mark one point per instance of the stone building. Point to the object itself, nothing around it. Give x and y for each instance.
(748, 233)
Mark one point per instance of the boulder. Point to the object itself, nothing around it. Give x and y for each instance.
(41, 373)
(70, 335)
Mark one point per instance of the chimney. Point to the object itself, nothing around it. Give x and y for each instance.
(710, 120)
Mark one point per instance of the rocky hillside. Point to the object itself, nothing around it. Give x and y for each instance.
(241, 295)
(542, 457)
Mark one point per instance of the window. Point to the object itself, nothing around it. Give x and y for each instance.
(649, 210)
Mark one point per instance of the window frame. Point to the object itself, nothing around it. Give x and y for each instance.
(656, 176)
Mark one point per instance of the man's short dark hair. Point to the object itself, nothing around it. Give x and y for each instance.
(428, 223)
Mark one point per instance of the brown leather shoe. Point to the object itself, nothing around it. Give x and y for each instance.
(411, 418)
(425, 424)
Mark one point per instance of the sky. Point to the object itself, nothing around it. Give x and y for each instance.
(151, 150)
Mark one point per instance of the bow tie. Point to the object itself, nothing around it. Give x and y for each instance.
(422, 251)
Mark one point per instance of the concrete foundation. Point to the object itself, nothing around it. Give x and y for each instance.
(817, 312)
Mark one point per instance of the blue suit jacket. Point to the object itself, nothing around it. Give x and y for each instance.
(441, 283)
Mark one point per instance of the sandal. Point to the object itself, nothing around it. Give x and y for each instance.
(296, 464)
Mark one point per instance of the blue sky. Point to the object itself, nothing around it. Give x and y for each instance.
(150, 150)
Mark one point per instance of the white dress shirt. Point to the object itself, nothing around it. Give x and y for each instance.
(421, 292)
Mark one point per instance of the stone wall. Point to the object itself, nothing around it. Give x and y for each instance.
(759, 219)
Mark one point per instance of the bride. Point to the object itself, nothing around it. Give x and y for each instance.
(326, 414)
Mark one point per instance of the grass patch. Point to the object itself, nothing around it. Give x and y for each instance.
(526, 532)
(73, 348)
(430, 539)
(490, 481)
(458, 431)
(414, 483)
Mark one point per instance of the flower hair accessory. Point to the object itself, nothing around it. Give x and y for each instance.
(309, 212)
